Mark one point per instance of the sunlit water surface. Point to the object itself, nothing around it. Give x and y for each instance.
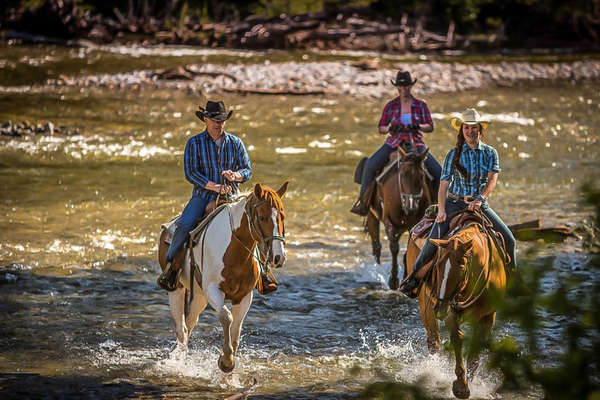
(80, 217)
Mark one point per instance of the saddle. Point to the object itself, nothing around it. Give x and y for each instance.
(266, 284)
(421, 230)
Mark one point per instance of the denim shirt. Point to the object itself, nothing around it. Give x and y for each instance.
(204, 161)
(478, 163)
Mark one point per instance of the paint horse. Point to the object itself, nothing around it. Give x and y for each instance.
(466, 280)
(227, 266)
(401, 201)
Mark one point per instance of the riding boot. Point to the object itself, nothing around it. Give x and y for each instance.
(412, 285)
(169, 278)
(361, 207)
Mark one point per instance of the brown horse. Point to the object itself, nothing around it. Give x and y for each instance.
(400, 203)
(467, 279)
(227, 265)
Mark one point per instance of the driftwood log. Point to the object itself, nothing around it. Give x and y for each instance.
(293, 92)
(532, 230)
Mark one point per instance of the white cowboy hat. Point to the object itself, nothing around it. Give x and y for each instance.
(469, 117)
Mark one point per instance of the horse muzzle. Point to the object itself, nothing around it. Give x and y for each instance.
(277, 254)
(441, 310)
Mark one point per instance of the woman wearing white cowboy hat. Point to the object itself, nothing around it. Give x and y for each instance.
(404, 118)
(468, 178)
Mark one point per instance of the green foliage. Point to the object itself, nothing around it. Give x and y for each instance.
(575, 370)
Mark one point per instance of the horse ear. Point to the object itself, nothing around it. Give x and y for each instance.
(401, 152)
(463, 247)
(258, 190)
(440, 242)
(281, 191)
(423, 154)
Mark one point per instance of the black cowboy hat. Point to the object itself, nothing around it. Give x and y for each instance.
(403, 79)
(214, 110)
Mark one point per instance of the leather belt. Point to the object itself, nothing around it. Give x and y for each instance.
(459, 197)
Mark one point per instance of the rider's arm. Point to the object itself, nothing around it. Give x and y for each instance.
(490, 185)
(442, 194)
(243, 162)
(192, 161)
(427, 123)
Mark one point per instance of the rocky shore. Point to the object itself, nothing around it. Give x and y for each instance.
(26, 128)
(333, 78)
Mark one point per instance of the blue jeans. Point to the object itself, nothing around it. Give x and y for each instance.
(381, 157)
(193, 211)
(439, 230)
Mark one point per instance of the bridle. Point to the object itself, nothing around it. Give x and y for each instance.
(264, 244)
(472, 297)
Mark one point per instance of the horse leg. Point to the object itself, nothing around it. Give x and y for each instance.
(198, 305)
(481, 332)
(429, 322)
(393, 238)
(373, 229)
(239, 313)
(460, 387)
(216, 298)
(177, 306)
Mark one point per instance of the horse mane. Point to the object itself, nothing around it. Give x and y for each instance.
(272, 198)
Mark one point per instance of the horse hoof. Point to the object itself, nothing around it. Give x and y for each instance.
(460, 390)
(224, 367)
(393, 283)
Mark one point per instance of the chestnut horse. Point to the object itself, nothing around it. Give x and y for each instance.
(466, 281)
(227, 265)
(401, 201)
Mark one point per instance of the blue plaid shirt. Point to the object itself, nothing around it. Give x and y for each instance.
(477, 162)
(204, 161)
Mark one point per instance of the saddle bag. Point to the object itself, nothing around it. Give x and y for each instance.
(359, 170)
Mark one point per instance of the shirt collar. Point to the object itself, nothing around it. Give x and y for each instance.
(208, 137)
(412, 101)
(479, 146)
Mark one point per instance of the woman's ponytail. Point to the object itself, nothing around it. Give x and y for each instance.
(460, 141)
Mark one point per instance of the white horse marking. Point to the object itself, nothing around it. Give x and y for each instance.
(446, 273)
(277, 246)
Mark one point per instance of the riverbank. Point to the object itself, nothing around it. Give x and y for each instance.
(356, 79)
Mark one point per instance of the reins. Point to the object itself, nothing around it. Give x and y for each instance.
(405, 197)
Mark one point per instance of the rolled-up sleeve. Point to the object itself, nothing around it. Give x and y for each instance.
(493, 162)
(385, 115)
(243, 161)
(447, 169)
(192, 163)
(427, 115)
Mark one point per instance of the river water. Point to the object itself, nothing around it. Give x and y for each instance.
(81, 313)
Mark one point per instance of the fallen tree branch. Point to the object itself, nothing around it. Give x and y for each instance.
(273, 91)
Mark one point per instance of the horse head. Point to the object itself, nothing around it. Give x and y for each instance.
(266, 219)
(411, 179)
(451, 269)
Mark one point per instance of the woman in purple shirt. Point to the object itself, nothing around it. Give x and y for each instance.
(404, 118)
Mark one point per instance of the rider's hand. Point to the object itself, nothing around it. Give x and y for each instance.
(223, 189)
(232, 176)
(441, 217)
(396, 128)
(474, 205)
(414, 126)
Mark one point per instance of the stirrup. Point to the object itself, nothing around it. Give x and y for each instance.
(410, 286)
(360, 208)
(168, 279)
(266, 286)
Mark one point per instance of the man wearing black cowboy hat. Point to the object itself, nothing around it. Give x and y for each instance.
(404, 118)
(214, 162)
